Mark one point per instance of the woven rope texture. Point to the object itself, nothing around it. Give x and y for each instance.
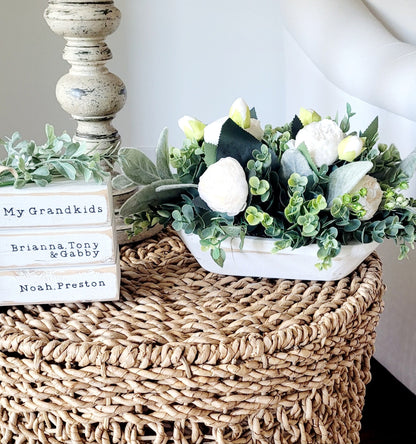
(188, 356)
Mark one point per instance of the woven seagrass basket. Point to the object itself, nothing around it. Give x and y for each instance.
(188, 356)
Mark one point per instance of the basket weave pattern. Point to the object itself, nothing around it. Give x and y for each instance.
(188, 356)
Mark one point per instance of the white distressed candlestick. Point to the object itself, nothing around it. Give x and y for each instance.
(89, 92)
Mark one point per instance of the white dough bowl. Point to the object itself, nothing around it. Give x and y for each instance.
(257, 260)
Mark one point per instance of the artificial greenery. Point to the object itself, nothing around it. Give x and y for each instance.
(290, 198)
(60, 157)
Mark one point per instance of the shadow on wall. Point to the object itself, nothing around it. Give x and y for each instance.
(307, 86)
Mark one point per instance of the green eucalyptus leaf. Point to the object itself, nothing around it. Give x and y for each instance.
(66, 169)
(50, 133)
(41, 171)
(19, 183)
(232, 230)
(148, 195)
(21, 164)
(98, 176)
(188, 212)
(121, 182)
(218, 254)
(87, 173)
(56, 148)
(41, 182)
(162, 156)
(352, 225)
(66, 138)
(176, 225)
(72, 149)
(31, 147)
(137, 166)
(343, 179)
(58, 157)
(210, 151)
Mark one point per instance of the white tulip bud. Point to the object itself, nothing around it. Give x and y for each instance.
(308, 116)
(193, 128)
(240, 113)
(350, 147)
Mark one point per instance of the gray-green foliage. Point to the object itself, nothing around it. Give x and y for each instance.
(293, 161)
(156, 181)
(290, 199)
(27, 162)
(343, 179)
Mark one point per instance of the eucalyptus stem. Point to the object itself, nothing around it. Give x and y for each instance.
(58, 157)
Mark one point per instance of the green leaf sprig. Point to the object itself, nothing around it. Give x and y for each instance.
(60, 157)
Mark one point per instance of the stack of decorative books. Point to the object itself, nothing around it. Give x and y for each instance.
(58, 244)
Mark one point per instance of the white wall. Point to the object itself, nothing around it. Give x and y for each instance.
(31, 63)
(175, 57)
(396, 336)
(195, 57)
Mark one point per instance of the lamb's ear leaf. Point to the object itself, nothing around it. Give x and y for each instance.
(146, 196)
(408, 164)
(343, 179)
(121, 182)
(136, 166)
(162, 156)
(306, 154)
(293, 161)
(175, 186)
(237, 143)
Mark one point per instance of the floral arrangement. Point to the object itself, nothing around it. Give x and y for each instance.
(313, 180)
(59, 157)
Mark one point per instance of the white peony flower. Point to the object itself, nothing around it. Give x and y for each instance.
(223, 187)
(193, 128)
(372, 200)
(290, 144)
(350, 148)
(322, 139)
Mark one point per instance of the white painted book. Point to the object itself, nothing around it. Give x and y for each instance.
(58, 244)
(61, 203)
(40, 247)
(59, 284)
